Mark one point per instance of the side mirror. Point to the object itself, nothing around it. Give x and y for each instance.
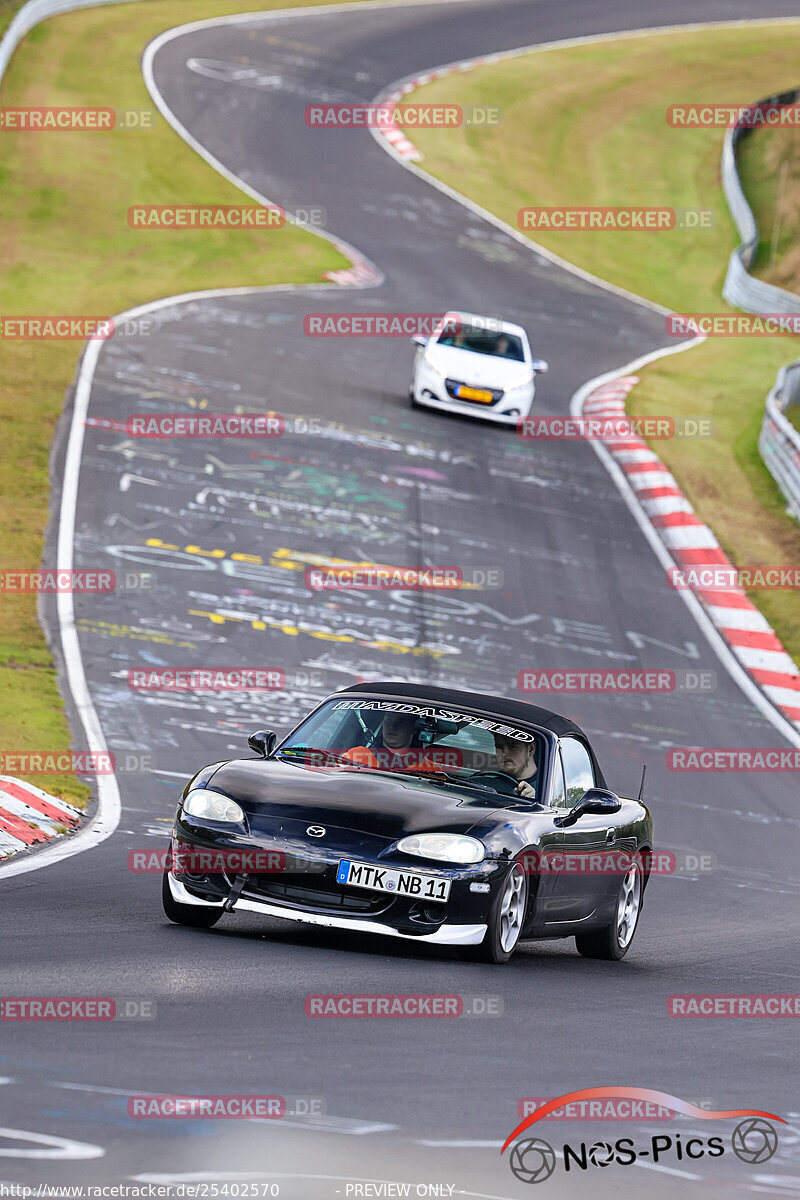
(263, 742)
(419, 340)
(539, 366)
(596, 800)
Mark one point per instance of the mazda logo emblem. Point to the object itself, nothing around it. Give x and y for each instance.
(316, 831)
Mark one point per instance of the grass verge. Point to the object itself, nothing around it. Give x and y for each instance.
(67, 249)
(586, 125)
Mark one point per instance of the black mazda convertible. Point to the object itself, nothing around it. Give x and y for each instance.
(422, 813)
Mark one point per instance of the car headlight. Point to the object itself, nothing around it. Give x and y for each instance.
(431, 361)
(519, 381)
(212, 806)
(447, 847)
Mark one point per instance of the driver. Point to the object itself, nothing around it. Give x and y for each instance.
(518, 759)
(397, 734)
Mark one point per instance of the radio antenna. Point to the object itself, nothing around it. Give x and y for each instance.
(641, 785)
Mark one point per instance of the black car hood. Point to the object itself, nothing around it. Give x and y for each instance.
(377, 803)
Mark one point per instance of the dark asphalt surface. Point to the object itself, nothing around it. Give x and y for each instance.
(380, 482)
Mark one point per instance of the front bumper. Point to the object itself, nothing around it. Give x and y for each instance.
(302, 884)
(445, 935)
(430, 390)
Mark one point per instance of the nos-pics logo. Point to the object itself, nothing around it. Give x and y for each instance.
(533, 1160)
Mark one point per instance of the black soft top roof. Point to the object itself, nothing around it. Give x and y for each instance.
(530, 713)
(545, 718)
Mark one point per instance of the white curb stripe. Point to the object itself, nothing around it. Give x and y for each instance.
(739, 618)
(662, 506)
(9, 844)
(641, 481)
(688, 537)
(787, 697)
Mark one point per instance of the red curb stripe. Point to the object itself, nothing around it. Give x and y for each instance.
(673, 519)
(705, 557)
(11, 823)
(635, 468)
(659, 493)
(726, 599)
(752, 640)
(46, 807)
(776, 679)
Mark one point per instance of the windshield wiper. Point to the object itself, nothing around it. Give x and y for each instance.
(448, 777)
(325, 754)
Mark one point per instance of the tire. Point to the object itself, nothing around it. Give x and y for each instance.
(615, 940)
(506, 920)
(187, 914)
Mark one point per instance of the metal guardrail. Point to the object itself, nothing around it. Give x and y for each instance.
(741, 289)
(779, 441)
(32, 14)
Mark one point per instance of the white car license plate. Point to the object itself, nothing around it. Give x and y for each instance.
(402, 883)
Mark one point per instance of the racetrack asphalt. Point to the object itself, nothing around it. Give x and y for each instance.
(380, 481)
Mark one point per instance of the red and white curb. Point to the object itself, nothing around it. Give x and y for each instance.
(692, 544)
(397, 138)
(361, 274)
(29, 816)
(394, 135)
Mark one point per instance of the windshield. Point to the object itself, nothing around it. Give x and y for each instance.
(484, 341)
(424, 740)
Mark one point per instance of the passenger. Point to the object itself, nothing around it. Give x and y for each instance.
(393, 750)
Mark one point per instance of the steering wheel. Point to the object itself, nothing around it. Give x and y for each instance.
(481, 775)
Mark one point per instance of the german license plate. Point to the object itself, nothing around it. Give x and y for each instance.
(402, 883)
(469, 393)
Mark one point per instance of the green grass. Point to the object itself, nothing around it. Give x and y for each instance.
(586, 125)
(8, 9)
(66, 248)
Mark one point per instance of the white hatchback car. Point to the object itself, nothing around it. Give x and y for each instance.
(478, 366)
